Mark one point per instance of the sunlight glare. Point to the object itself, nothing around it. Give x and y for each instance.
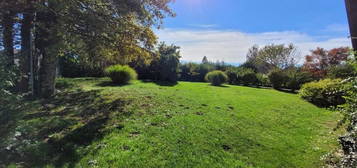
(193, 2)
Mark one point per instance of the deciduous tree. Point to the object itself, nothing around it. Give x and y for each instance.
(320, 60)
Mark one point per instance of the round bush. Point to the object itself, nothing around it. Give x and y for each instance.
(324, 93)
(121, 74)
(277, 78)
(249, 78)
(216, 78)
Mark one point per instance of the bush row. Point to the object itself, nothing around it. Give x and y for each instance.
(292, 78)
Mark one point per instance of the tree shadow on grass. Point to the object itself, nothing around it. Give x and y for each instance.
(68, 121)
(288, 91)
(111, 84)
(271, 88)
(166, 83)
(221, 86)
(161, 83)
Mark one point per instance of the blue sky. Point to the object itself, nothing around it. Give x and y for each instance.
(225, 29)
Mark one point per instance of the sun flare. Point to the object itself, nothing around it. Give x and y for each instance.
(193, 2)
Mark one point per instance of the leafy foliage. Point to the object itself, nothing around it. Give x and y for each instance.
(349, 140)
(232, 76)
(8, 78)
(98, 32)
(121, 74)
(71, 66)
(271, 57)
(324, 93)
(277, 78)
(190, 72)
(263, 79)
(247, 76)
(216, 78)
(163, 67)
(169, 62)
(195, 72)
(343, 71)
(320, 60)
(296, 78)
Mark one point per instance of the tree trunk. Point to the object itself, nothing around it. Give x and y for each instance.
(8, 36)
(47, 43)
(26, 50)
(47, 74)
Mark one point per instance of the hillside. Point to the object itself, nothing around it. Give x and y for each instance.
(96, 124)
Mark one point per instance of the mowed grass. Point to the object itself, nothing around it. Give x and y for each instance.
(185, 125)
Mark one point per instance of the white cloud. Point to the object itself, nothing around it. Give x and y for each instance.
(232, 46)
(337, 28)
(204, 25)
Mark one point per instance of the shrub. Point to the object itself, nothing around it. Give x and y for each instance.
(216, 78)
(8, 98)
(324, 93)
(277, 78)
(341, 71)
(203, 70)
(247, 76)
(71, 66)
(263, 80)
(121, 74)
(348, 141)
(296, 78)
(232, 76)
(169, 62)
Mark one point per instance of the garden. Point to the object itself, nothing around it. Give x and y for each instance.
(87, 84)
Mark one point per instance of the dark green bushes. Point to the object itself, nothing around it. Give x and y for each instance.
(164, 67)
(194, 72)
(324, 93)
(296, 78)
(247, 77)
(121, 74)
(348, 141)
(341, 71)
(71, 66)
(216, 78)
(277, 78)
(8, 78)
(263, 80)
(243, 76)
(232, 76)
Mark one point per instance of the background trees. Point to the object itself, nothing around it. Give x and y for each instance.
(169, 62)
(271, 57)
(320, 60)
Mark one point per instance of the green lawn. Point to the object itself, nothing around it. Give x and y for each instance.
(95, 124)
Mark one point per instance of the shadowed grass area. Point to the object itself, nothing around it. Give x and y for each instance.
(182, 125)
(50, 131)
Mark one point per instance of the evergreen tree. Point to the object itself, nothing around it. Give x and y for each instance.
(205, 60)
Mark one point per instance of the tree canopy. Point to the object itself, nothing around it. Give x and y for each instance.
(98, 32)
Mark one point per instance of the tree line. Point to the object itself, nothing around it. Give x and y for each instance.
(277, 66)
(272, 65)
